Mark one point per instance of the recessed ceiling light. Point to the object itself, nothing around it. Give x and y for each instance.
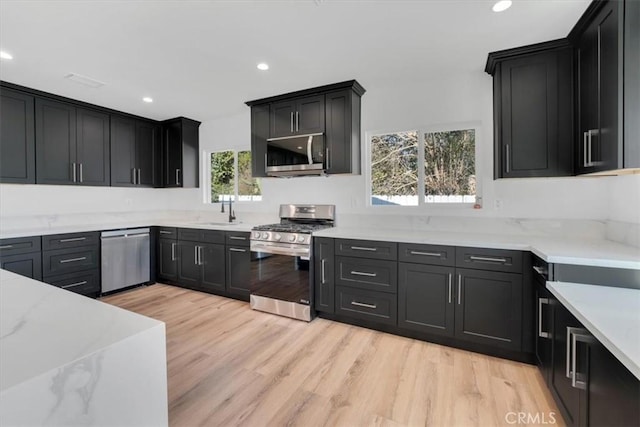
(263, 66)
(5, 55)
(502, 5)
(147, 99)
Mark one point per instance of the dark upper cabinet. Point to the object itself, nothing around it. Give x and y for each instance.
(426, 298)
(331, 110)
(17, 138)
(606, 40)
(533, 110)
(324, 271)
(55, 143)
(134, 152)
(92, 148)
(297, 116)
(180, 164)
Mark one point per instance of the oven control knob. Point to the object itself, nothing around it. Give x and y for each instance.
(265, 235)
(256, 235)
(300, 239)
(292, 238)
(277, 236)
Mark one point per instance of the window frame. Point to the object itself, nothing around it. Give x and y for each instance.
(206, 184)
(476, 126)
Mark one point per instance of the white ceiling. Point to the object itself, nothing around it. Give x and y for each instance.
(198, 58)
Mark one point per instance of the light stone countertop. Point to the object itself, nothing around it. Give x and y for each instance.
(612, 315)
(43, 327)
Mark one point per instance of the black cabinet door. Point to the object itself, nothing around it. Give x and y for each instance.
(489, 308)
(425, 298)
(283, 118)
(238, 271)
(189, 271)
(324, 272)
(567, 397)
(212, 261)
(309, 115)
(55, 143)
(28, 265)
(167, 259)
(146, 139)
(92, 147)
(259, 134)
(172, 155)
(536, 108)
(613, 396)
(339, 151)
(17, 138)
(544, 331)
(587, 98)
(123, 151)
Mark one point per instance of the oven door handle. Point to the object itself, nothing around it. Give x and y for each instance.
(276, 250)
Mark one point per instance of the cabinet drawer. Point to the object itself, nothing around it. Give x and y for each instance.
(489, 259)
(377, 307)
(28, 265)
(368, 274)
(237, 238)
(168, 233)
(85, 283)
(427, 254)
(63, 261)
(19, 245)
(74, 240)
(367, 249)
(205, 236)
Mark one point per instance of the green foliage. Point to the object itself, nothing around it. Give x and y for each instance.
(247, 184)
(222, 174)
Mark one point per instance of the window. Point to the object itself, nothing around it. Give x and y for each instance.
(231, 177)
(412, 168)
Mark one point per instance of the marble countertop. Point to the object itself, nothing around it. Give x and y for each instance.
(612, 315)
(592, 252)
(43, 327)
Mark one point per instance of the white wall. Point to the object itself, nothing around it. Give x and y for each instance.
(443, 100)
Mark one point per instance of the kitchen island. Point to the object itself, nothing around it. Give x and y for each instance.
(70, 360)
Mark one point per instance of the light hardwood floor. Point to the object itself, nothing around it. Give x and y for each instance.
(229, 365)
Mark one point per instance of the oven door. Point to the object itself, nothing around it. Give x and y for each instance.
(280, 274)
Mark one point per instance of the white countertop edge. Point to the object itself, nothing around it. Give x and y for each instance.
(627, 361)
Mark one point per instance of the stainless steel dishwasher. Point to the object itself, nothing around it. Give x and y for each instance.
(125, 258)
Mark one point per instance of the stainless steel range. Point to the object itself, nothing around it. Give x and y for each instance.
(281, 281)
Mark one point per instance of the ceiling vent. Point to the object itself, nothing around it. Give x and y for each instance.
(84, 80)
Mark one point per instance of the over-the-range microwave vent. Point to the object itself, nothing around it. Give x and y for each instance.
(84, 80)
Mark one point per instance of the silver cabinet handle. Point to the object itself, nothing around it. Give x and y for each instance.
(173, 251)
(292, 122)
(507, 161)
(590, 163)
(490, 259)
(570, 331)
(195, 255)
(133, 176)
(361, 304)
(540, 270)
(541, 333)
(237, 238)
(579, 380)
(237, 250)
(449, 288)
(138, 176)
(73, 171)
(434, 254)
(362, 248)
(75, 239)
(327, 159)
(81, 179)
(177, 176)
(6, 247)
(84, 282)
(364, 273)
(199, 255)
(165, 232)
(584, 150)
(322, 265)
(64, 261)
(459, 288)
(297, 121)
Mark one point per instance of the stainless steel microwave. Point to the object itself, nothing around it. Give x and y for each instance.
(289, 156)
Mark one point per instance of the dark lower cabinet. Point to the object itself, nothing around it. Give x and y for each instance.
(189, 271)
(324, 266)
(201, 266)
(426, 299)
(167, 263)
(489, 308)
(238, 271)
(544, 331)
(28, 265)
(17, 138)
(85, 283)
(371, 306)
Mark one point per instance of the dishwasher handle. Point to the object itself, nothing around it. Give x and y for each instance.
(138, 232)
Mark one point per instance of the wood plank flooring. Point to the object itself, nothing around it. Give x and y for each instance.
(229, 365)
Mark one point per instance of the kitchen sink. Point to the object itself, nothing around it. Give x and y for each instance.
(224, 224)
